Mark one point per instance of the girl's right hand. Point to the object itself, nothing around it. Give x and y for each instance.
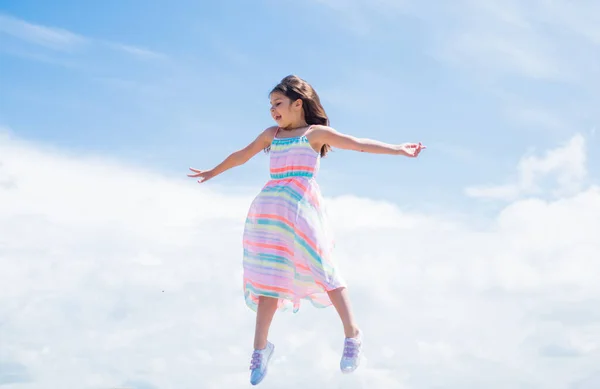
(204, 175)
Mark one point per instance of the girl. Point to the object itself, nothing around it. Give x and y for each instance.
(287, 243)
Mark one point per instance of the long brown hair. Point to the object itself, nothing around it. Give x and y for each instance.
(294, 88)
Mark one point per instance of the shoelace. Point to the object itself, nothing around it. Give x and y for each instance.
(256, 361)
(351, 348)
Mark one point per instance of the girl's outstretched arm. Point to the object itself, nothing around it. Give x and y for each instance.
(327, 135)
(237, 158)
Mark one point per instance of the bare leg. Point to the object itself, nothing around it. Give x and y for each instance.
(264, 315)
(341, 301)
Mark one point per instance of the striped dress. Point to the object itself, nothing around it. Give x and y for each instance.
(287, 242)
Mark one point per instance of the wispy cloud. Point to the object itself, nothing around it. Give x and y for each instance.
(500, 38)
(53, 38)
(499, 44)
(538, 58)
(538, 39)
(565, 166)
(135, 51)
(64, 40)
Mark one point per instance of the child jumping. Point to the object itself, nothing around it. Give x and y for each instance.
(287, 243)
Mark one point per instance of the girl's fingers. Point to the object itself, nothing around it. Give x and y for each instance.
(196, 171)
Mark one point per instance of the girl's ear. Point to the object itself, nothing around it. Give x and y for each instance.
(298, 104)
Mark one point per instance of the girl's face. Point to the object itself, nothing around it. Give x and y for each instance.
(284, 111)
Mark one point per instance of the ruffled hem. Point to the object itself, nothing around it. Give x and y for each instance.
(287, 301)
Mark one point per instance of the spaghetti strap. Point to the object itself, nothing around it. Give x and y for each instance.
(305, 132)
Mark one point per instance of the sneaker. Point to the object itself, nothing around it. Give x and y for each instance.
(259, 363)
(352, 354)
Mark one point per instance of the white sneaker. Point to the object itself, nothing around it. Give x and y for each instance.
(352, 354)
(259, 363)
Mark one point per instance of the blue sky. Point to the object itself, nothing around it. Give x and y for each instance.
(478, 260)
(173, 85)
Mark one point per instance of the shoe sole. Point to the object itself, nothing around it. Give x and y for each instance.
(353, 370)
(361, 360)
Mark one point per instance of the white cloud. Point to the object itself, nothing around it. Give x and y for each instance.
(114, 276)
(64, 40)
(565, 165)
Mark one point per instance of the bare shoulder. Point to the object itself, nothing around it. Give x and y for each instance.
(320, 128)
(267, 135)
(271, 130)
(319, 131)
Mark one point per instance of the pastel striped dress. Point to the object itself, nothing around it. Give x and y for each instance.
(287, 242)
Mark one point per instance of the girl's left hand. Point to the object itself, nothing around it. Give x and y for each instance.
(412, 149)
(204, 175)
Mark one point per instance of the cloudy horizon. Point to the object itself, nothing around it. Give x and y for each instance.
(116, 276)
